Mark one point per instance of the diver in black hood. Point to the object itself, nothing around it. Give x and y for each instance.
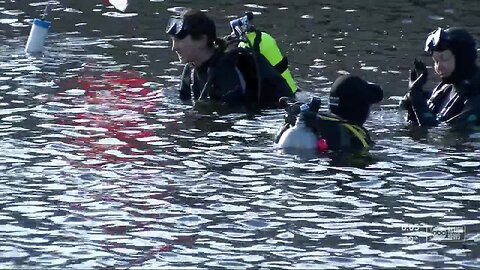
(456, 99)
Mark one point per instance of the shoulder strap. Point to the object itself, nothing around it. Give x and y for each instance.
(359, 132)
(247, 60)
(211, 72)
(280, 66)
(257, 40)
(186, 84)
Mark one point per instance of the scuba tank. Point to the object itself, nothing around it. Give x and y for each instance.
(300, 136)
(262, 43)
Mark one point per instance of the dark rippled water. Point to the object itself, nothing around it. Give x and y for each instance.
(101, 165)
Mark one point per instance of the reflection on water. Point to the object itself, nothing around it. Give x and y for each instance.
(103, 166)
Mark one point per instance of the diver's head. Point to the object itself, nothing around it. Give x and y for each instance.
(351, 98)
(454, 53)
(193, 22)
(193, 35)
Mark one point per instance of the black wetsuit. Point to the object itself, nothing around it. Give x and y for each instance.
(224, 84)
(234, 77)
(457, 103)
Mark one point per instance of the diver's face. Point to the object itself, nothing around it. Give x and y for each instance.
(184, 48)
(188, 49)
(444, 62)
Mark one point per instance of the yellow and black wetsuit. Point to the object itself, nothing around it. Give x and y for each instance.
(266, 45)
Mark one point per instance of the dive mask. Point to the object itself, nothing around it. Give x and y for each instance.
(177, 28)
(433, 41)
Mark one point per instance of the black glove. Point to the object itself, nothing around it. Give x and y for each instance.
(292, 108)
(314, 105)
(292, 113)
(418, 76)
(231, 40)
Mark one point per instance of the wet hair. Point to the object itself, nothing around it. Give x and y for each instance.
(351, 98)
(198, 24)
(463, 47)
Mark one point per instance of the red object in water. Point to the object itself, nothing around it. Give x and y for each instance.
(106, 2)
(120, 91)
(322, 145)
(165, 248)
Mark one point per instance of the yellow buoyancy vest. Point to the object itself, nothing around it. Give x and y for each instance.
(267, 46)
(357, 131)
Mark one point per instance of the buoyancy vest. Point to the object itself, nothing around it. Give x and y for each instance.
(266, 45)
(264, 86)
(340, 133)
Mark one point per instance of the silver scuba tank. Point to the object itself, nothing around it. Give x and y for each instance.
(298, 137)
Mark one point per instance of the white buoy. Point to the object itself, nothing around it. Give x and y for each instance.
(119, 4)
(37, 37)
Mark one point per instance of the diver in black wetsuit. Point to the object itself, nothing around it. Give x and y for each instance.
(342, 128)
(234, 77)
(456, 99)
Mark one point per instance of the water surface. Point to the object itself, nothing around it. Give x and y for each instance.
(101, 165)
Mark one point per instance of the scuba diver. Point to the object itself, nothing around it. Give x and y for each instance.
(341, 129)
(456, 99)
(236, 78)
(245, 35)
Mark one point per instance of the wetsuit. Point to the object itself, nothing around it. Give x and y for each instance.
(214, 79)
(238, 78)
(455, 103)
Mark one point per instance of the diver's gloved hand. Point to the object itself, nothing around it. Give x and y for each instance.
(292, 108)
(314, 105)
(418, 76)
(310, 114)
(284, 102)
(310, 119)
(231, 40)
(405, 103)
